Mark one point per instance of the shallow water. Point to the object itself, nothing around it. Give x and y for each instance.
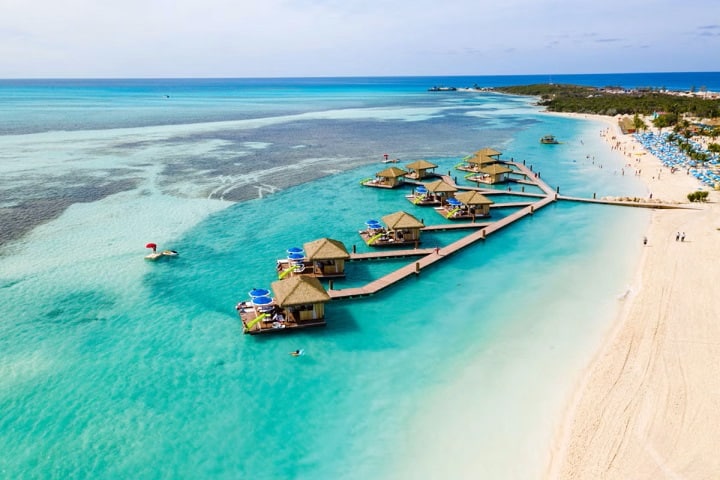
(116, 367)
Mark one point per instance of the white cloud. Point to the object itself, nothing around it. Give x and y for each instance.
(90, 38)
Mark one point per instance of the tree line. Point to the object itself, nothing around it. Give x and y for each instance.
(614, 100)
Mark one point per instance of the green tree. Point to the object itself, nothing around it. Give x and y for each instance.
(638, 123)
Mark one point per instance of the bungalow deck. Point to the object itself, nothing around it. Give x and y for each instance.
(373, 239)
(272, 319)
(289, 267)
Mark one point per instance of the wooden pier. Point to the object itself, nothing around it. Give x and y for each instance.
(434, 255)
(425, 257)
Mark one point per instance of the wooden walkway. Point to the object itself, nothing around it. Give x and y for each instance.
(430, 256)
(482, 230)
(416, 252)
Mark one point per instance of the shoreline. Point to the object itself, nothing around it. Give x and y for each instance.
(644, 406)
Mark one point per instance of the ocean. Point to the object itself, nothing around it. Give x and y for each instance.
(114, 367)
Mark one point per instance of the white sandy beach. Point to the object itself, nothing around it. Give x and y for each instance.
(648, 406)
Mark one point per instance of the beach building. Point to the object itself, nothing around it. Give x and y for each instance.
(421, 169)
(433, 193)
(389, 178)
(327, 257)
(401, 229)
(323, 258)
(627, 125)
(479, 160)
(299, 302)
(466, 205)
(491, 174)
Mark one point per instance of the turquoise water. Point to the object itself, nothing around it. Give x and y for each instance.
(113, 367)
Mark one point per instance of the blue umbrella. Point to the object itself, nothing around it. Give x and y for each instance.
(262, 301)
(294, 250)
(454, 201)
(258, 292)
(421, 189)
(371, 221)
(296, 256)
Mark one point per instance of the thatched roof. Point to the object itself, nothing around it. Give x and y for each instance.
(392, 172)
(325, 249)
(421, 165)
(496, 169)
(399, 220)
(471, 197)
(299, 290)
(488, 152)
(482, 160)
(440, 186)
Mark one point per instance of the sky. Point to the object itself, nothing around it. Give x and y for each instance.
(299, 38)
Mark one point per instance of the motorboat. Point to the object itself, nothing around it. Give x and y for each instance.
(549, 140)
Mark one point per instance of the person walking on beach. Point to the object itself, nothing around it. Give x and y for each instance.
(682, 237)
(644, 240)
(677, 236)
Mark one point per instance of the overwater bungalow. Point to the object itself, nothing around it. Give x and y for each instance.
(327, 257)
(467, 205)
(494, 173)
(433, 193)
(476, 162)
(389, 178)
(489, 152)
(299, 302)
(323, 258)
(401, 229)
(421, 169)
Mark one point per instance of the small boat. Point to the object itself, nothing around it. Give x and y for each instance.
(549, 140)
(153, 256)
(170, 253)
(298, 353)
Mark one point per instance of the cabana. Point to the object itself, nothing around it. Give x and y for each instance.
(388, 178)
(327, 256)
(466, 205)
(419, 169)
(494, 173)
(299, 302)
(433, 193)
(401, 229)
(475, 162)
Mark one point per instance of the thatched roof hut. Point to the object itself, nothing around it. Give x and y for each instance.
(440, 186)
(325, 249)
(488, 152)
(402, 220)
(473, 198)
(421, 165)
(392, 172)
(420, 169)
(299, 290)
(482, 160)
(496, 169)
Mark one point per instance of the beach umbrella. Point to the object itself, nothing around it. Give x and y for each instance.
(295, 256)
(294, 250)
(421, 189)
(372, 220)
(151, 245)
(258, 292)
(260, 301)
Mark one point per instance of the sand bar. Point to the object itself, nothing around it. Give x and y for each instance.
(648, 406)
